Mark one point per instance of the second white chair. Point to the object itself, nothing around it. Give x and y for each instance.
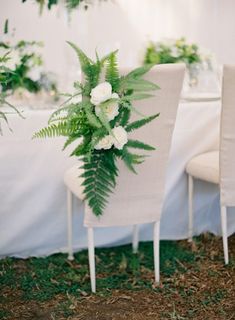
(218, 166)
(137, 198)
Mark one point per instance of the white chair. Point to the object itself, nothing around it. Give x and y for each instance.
(218, 166)
(137, 198)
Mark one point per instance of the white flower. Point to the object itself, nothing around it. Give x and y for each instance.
(111, 110)
(101, 93)
(105, 143)
(175, 52)
(120, 137)
(34, 73)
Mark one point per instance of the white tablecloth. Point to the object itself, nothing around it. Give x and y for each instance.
(33, 196)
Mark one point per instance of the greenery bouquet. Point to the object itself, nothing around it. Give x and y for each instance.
(6, 75)
(100, 123)
(172, 51)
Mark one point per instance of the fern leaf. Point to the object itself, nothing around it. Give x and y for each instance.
(130, 159)
(60, 129)
(107, 57)
(126, 113)
(99, 179)
(97, 136)
(91, 117)
(104, 120)
(136, 144)
(112, 74)
(140, 123)
(138, 96)
(138, 85)
(80, 150)
(69, 141)
(139, 72)
(83, 59)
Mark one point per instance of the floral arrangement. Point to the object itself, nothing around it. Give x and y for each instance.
(97, 117)
(70, 4)
(173, 51)
(5, 77)
(26, 66)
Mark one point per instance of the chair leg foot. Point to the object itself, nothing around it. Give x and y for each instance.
(135, 238)
(69, 224)
(156, 249)
(190, 208)
(91, 253)
(224, 233)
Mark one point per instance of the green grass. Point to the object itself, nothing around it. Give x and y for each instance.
(41, 279)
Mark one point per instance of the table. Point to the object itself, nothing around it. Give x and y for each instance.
(33, 196)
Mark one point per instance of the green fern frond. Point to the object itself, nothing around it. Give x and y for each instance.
(112, 74)
(139, 72)
(69, 141)
(104, 120)
(137, 96)
(90, 69)
(83, 59)
(125, 117)
(140, 123)
(97, 136)
(81, 150)
(54, 130)
(130, 159)
(99, 179)
(136, 144)
(138, 85)
(91, 117)
(56, 115)
(107, 57)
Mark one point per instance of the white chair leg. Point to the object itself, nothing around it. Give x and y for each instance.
(156, 250)
(135, 238)
(224, 232)
(69, 224)
(91, 252)
(190, 208)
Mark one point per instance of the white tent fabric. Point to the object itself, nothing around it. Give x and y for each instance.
(33, 195)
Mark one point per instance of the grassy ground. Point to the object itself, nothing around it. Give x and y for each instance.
(195, 284)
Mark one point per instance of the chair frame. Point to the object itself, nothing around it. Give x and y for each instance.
(91, 245)
(223, 213)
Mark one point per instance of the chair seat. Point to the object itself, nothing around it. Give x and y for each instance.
(205, 167)
(73, 181)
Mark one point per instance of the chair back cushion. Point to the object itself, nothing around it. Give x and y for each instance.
(139, 198)
(227, 138)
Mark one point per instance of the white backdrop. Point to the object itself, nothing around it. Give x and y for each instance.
(127, 24)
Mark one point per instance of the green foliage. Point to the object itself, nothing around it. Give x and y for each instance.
(5, 77)
(82, 122)
(99, 179)
(53, 130)
(70, 4)
(130, 159)
(176, 51)
(112, 74)
(19, 66)
(139, 145)
(140, 123)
